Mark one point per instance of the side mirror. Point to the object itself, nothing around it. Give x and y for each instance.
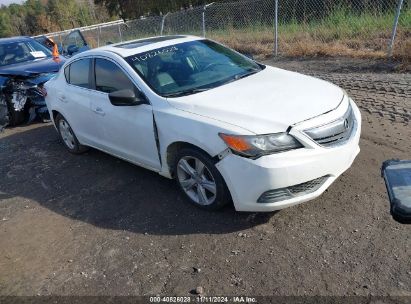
(126, 98)
(71, 49)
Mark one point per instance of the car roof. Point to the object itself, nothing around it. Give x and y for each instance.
(14, 39)
(132, 47)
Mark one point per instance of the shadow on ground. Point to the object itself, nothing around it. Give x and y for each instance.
(103, 191)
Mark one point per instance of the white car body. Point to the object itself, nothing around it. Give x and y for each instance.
(271, 101)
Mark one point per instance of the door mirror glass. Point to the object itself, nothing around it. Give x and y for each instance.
(126, 98)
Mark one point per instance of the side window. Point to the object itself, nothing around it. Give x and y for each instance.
(79, 73)
(110, 78)
(67, 73)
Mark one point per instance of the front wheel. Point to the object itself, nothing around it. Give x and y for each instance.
(200, 180)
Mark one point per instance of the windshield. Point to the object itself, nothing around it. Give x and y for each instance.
(191, 67)
(22, 51)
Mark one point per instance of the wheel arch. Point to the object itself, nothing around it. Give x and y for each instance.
(172, 153)
(54, 114)
(173, 149)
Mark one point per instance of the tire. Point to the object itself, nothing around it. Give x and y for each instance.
(201, 182)
(68, 137)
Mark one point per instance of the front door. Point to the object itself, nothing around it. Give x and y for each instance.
(125, 131)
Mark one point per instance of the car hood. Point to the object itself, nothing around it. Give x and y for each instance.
(29, 68)
(267, 102)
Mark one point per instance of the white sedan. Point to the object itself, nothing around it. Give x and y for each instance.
(224, 126)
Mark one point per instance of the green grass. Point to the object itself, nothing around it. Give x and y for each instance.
(340, 33)
(342, 23)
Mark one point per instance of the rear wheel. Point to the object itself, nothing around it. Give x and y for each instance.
(200, 180)
(68, 137)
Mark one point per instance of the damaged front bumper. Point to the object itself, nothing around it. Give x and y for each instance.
(22, 99)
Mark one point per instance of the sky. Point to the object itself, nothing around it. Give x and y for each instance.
(6, 2)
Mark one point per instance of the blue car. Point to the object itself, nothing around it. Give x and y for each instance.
(25, 65)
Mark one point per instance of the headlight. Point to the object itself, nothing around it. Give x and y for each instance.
(258, 145)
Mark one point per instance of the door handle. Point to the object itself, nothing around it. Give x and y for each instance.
(99, 111)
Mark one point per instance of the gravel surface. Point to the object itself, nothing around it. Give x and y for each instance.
(96, 225)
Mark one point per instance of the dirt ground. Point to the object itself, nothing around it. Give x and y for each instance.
(96, 225)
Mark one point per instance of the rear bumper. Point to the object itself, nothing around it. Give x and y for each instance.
(248, 179)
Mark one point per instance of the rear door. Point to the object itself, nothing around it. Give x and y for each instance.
(75, 99)
(125, 131)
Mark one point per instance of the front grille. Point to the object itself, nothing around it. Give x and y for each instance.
(334, 133)
(282, 194)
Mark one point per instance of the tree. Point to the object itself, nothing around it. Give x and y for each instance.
(34, 17)
(129, 9)
(5, 26)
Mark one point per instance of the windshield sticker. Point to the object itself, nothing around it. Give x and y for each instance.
(152, 54)
(38, 54)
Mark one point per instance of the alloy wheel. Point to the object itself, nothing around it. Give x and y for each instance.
(67, 134)
(196, 180)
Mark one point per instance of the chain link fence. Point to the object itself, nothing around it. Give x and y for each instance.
(332, 27)
(285, 27)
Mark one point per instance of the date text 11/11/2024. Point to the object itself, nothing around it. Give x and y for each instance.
(203, 299)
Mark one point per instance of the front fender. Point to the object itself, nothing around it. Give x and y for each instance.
(175, 125)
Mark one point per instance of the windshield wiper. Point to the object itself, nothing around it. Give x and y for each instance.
(184, 93)
(241, 76)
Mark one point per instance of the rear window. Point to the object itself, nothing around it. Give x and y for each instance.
(79, 73)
